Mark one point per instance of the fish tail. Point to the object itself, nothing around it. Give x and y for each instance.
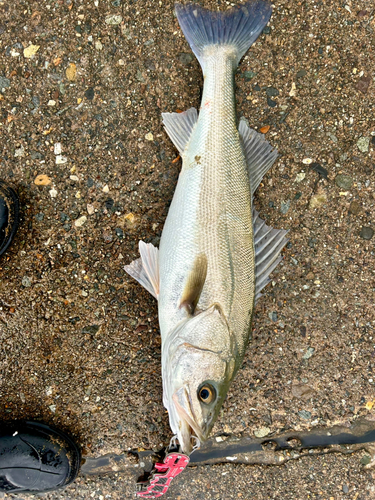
(238, 27)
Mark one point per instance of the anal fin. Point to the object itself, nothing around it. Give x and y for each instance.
(146, 269)
(268, 243)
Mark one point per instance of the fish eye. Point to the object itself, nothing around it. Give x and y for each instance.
(207, 393)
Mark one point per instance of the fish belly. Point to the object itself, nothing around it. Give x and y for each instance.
(211, 213)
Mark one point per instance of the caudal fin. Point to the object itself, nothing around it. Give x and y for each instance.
(238, 27)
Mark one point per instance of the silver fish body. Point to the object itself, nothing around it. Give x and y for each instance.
(211, 213)
(215, 252)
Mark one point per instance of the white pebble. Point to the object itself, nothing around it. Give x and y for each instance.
(293, 90)
(80, 221)
(300, 177)
(57, 148)
(60, 160)
(53, 193)
(149, 137)
(106, 189)
(307, 161)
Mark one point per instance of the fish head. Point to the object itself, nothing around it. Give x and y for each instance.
(198, 366)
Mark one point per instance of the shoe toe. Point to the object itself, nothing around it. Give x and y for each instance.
(36, 458)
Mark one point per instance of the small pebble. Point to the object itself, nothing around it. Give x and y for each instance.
(80, 221)
(30, 51)
(4, 83)
(302, 391)
(113, 20)
(354, 208)
(343, 181)
(149, 137)
(285, 205)
(318, 200)
(307, 161)
(363, 144)
(53, 193)
(293, 90)
(272, 92)
(273, 316)
(300, 177)
(71, 72)
(26, 282)
(42, 180)
(248, 75)
(363, 84)
(19, 152)
(345, 488)
(271, 103)
(90, 93)
(57, 148)
(60, 160)
(90, 209)
(365, 460)
(309, 352)
(306, 415)
(262, 432)
(105, 189)
(51, 102)
(366, 233)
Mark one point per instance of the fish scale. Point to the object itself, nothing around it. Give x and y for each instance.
(216, 253)
(214, 202)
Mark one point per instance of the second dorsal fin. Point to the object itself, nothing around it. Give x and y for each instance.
(258, 152)
(179, 127)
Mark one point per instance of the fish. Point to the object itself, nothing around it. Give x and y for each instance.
(216, 253)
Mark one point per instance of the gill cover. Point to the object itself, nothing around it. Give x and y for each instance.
(198, 366)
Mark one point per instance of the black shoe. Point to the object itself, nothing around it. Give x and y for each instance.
(35, 458)
(9, 215)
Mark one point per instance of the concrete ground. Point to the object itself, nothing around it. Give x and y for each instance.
(82, 86)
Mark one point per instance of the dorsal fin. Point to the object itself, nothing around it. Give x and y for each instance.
(258, 152)
(179, 127)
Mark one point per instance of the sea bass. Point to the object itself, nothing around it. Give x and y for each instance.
(216, 253)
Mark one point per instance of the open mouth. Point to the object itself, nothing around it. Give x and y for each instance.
(190, 431)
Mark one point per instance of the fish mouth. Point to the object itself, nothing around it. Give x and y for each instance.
(188, 426)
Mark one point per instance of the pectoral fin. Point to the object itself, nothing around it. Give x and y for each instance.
(146, 269)
(194, 284)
